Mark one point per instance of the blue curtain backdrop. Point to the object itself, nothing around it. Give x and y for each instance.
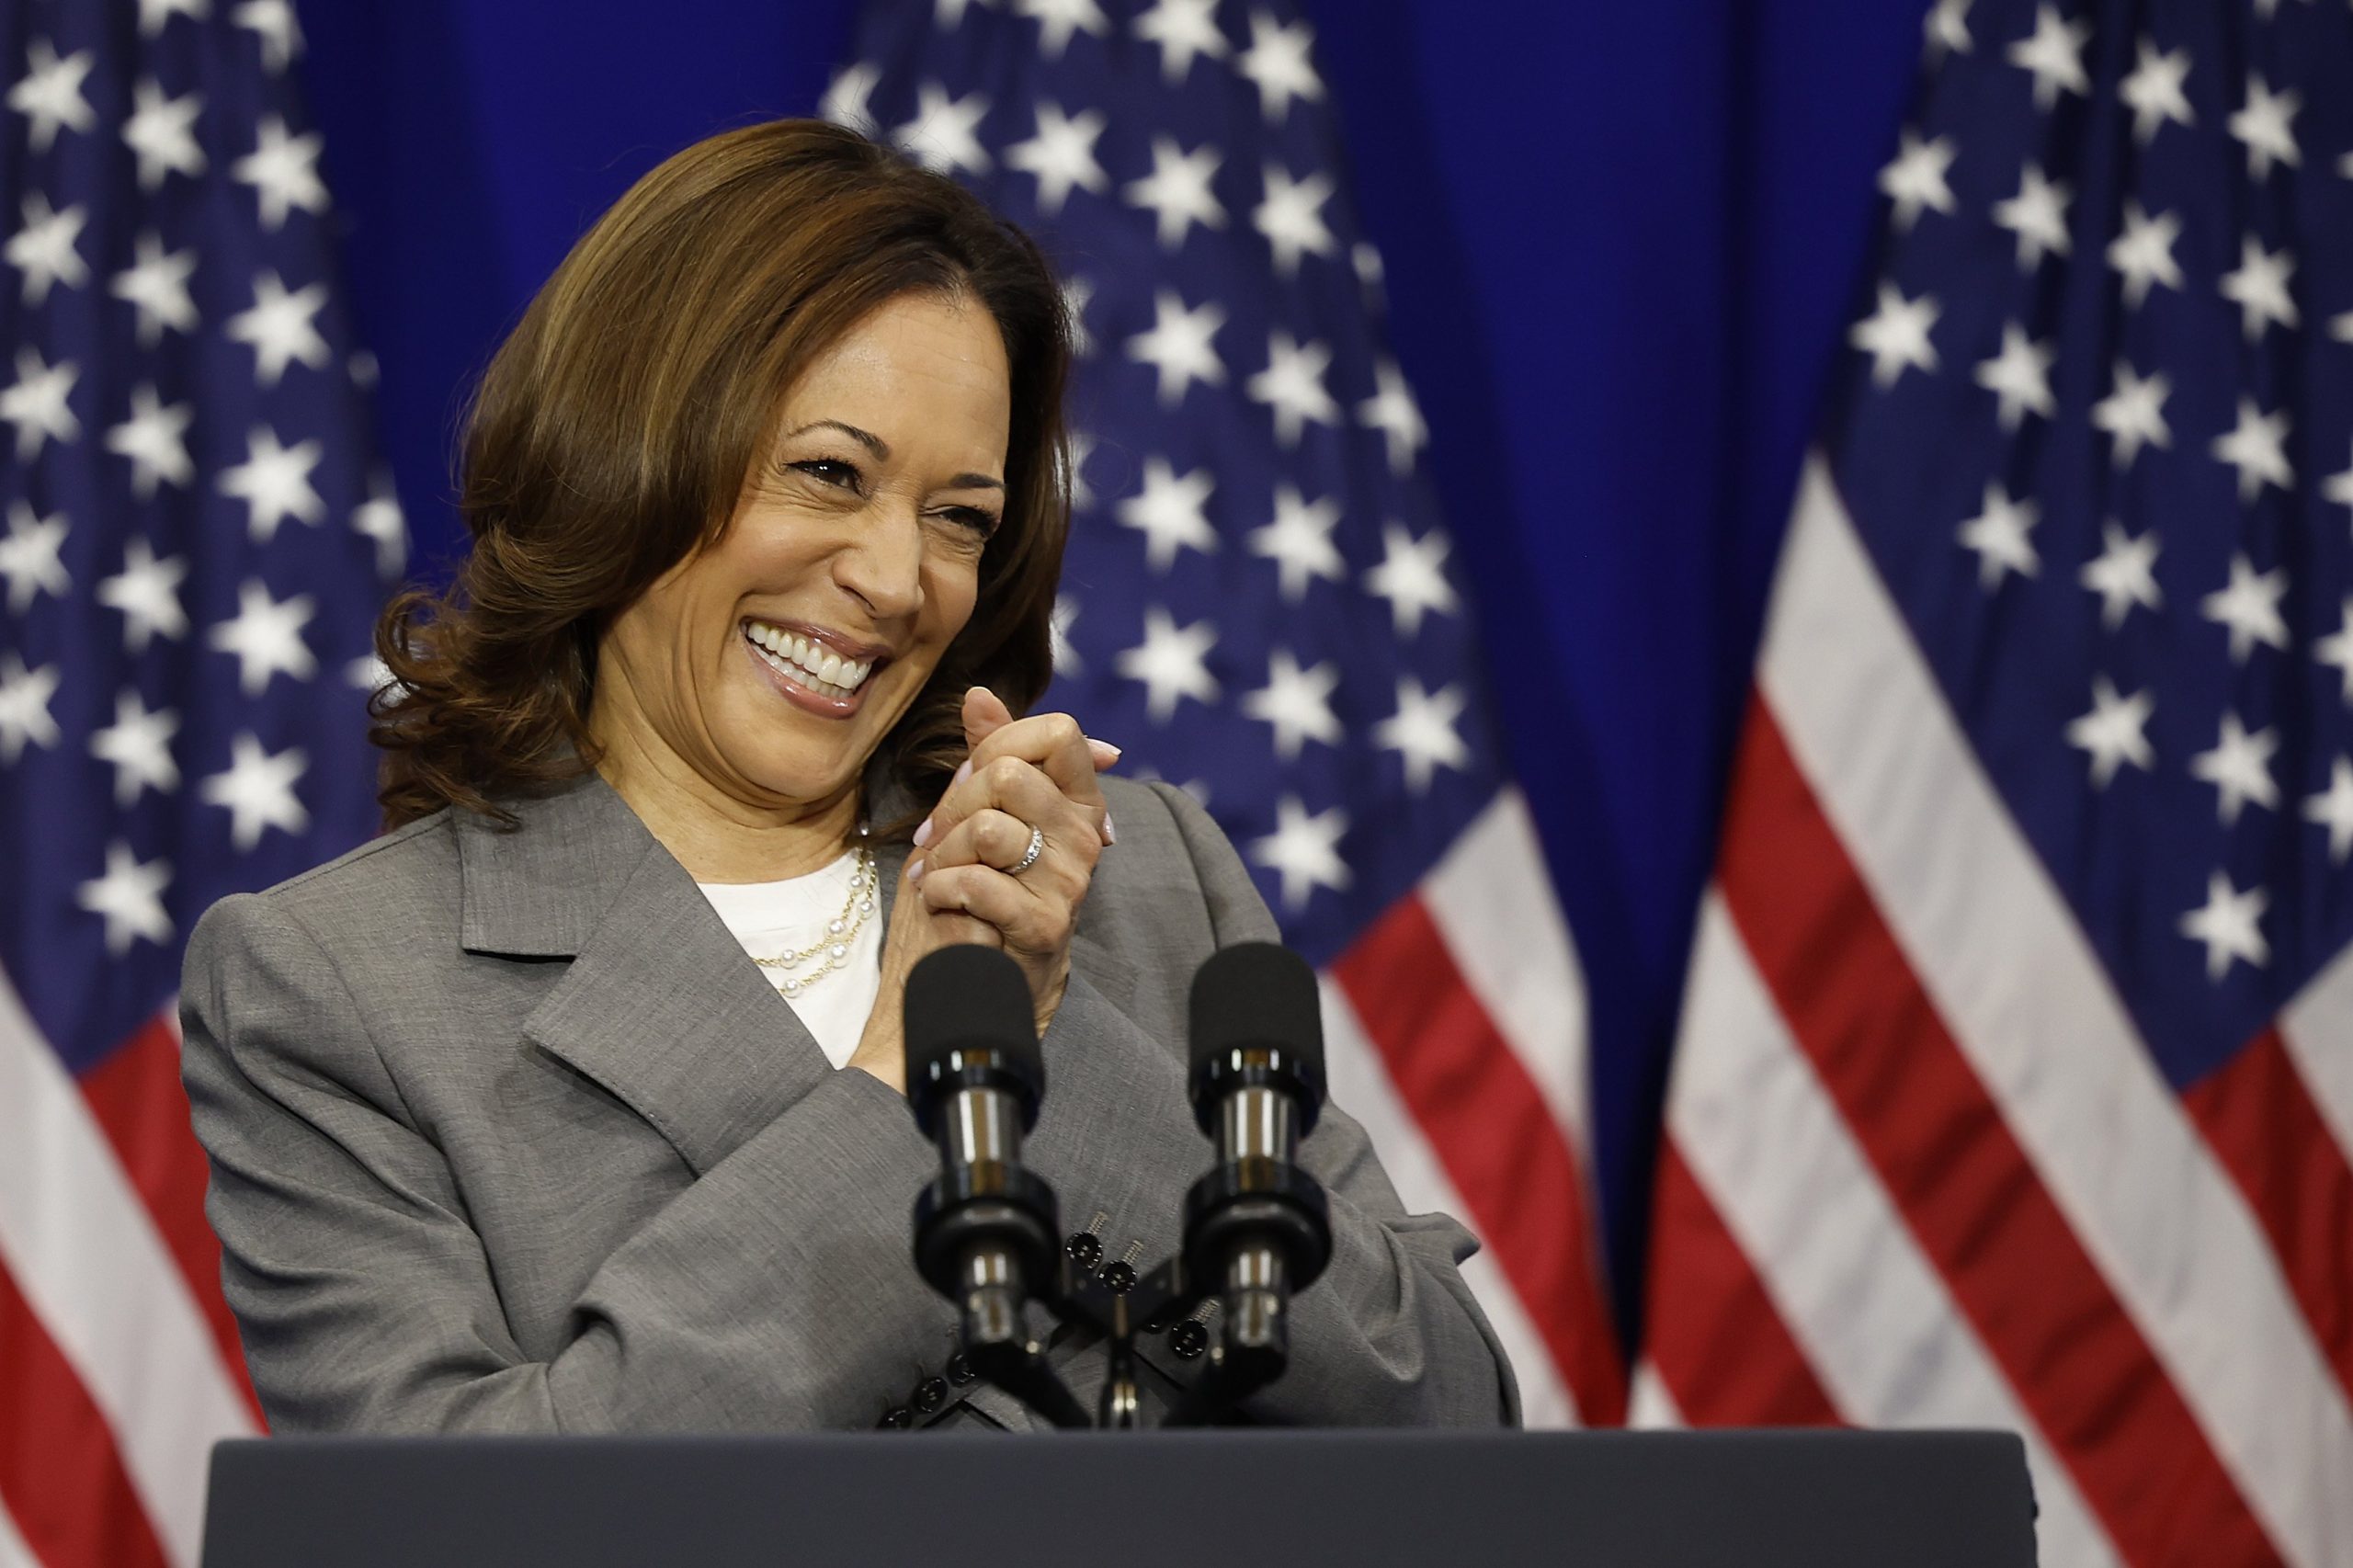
(1622, 243)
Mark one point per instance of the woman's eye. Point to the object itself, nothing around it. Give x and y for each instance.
(981, 522)
(829, 471)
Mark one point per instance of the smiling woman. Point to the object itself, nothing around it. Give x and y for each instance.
(575, 1101)
(642, 406)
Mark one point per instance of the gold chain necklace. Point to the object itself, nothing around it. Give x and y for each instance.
(832, 950)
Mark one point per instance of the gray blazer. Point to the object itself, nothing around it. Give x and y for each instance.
(508, 1135)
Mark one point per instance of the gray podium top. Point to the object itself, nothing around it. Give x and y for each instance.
(1246, 1499)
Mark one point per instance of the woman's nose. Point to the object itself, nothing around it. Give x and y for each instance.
(883, 563)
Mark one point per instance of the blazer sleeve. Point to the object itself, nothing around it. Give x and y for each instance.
(366, 1299)
(1390, 1335)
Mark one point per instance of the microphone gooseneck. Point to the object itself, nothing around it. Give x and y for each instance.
(1257, 1229)
(985, 1227)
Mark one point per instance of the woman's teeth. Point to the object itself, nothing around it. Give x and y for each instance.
(811, 663)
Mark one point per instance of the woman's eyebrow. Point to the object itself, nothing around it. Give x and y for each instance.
(866, 439)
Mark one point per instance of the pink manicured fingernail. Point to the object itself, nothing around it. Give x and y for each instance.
(1105, 752)
(923, 833)
(1108, 836)
(961, 774)
(915, 870)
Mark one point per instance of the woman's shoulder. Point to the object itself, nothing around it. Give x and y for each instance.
(1156, 800)
(1153, 818)
(1166, 840)
(405, 879)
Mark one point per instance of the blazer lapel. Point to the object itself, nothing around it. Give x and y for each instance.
(659, 1005)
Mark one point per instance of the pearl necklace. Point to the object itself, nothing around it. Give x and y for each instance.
(832, 950)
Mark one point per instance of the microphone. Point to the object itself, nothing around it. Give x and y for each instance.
(985, 1228)
(1257, 1227)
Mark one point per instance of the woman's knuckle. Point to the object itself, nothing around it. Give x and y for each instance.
(997, 834)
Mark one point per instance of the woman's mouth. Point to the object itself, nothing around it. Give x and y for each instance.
(818, 671)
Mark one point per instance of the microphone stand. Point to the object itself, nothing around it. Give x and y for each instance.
(1252, 1348)
(1256, 1227)
(1117, 1305)
(1121, 1306)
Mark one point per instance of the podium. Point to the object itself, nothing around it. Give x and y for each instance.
(1226, 1499)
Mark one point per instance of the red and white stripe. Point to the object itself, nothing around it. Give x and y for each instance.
(1455, 1029)
(14, 1551)
(1873, 1321)
(1921, 1169)
(112, 1329)
(2316, 1029)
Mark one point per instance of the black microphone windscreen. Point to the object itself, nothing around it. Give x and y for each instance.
(1257, 993)
(969, 997)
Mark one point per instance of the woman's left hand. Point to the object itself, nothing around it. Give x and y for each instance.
(1023, 773)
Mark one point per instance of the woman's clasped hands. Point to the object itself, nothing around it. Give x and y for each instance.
(972, 877)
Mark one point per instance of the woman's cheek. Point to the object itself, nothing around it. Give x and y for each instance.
(959, 590)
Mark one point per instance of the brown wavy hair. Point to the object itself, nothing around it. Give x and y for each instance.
(613, 431)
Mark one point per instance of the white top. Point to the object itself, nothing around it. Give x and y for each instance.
(774, 918)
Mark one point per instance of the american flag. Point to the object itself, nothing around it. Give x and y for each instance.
(2015, 1084)
(1258, 602)
(191, 555)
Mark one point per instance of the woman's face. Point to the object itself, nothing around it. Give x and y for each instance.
(774, 662)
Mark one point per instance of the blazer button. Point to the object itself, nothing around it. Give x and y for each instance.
(1119, 1278)
(1086, 1248)
(1189, 1337)
(898, 1418)
(960, 1369)
(930, 1394)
